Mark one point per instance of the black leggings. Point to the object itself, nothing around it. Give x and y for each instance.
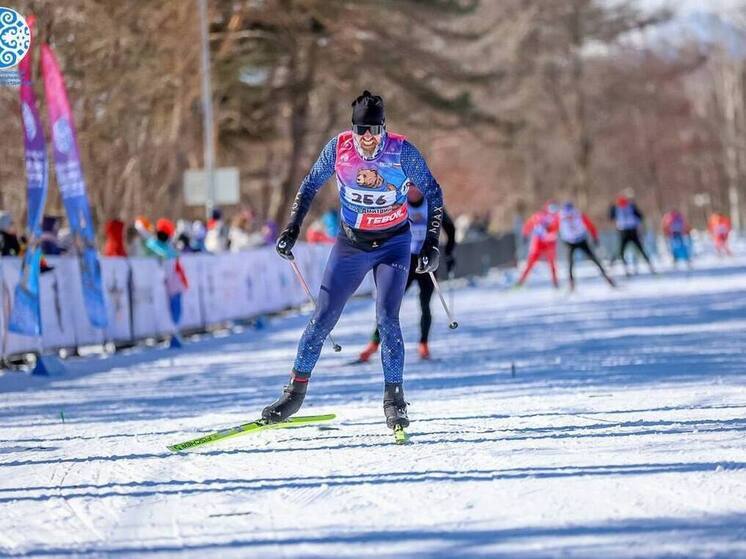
(584, 247)
(426, 293)
(626, 237)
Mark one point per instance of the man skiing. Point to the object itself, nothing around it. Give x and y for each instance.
(719, 227)
(676, 231)
(574, 229)
(418, 210)
(628, 218)
(373, 170)
(542, 229)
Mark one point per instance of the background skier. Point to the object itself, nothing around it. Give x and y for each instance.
(574, 229)
(628, 218)
(542, 230)
(676, 230)
(418, 226)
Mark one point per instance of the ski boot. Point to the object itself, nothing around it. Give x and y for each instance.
(394, 406)
(369, 350)
(423, 350)
(290, 401)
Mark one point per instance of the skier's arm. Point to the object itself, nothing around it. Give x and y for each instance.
(414, 166)
(591, 227)
(314, 180)
(612, 213)
(638, 213)
(450, 230)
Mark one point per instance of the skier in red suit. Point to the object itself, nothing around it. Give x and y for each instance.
(542, 228)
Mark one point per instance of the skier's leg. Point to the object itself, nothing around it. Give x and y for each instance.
(571, 248)
(426, 293)
(624, 239)
(585, 247)
(533, 256)
(375, 339)
(551, 257)
(391, 271)
(638, 245)
(344, 273)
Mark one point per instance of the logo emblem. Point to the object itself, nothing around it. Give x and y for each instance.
(28, 121)
(63, 136)
(15, 38)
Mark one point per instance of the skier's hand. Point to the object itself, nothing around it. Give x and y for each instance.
(429, 258)
(286, 241)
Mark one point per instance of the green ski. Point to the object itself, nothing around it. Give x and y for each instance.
(254, 426)
(400, 435)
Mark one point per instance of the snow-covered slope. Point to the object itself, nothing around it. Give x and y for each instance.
(621, 434)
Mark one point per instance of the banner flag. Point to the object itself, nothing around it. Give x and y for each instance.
(26, 317)
(70, 179)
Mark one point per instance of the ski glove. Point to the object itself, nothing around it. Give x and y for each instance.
(286, 241)
(429, 258)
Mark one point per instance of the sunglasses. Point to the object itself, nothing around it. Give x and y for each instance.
(361, 129)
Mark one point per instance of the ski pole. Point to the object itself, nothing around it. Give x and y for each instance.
(452, 324)
(451, 276)
(298, 273)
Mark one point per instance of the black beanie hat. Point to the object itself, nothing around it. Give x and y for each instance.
(368, 109)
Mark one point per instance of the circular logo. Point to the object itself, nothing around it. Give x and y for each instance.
(15, 38)
(28, 121)
(62, 135)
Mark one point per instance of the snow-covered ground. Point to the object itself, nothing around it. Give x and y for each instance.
(622, 433)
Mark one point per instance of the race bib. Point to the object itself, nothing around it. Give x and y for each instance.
(370, 199)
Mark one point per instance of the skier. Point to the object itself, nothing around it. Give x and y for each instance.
(418, 225)
(719, 227)
(628, 219)
(676, 231)
(574, 229)
(373, 170)
(542, 229)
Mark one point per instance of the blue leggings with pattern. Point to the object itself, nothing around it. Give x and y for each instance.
(345, 271)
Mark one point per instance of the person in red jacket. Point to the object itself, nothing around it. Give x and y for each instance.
(719, 227)
(542, 230)
(574, 229)
(114, 246)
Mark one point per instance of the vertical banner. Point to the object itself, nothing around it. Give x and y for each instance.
(26, 316)
(72, 187)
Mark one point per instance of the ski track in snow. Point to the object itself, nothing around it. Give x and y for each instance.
(622, 434)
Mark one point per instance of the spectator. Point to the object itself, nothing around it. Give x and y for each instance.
(143, 230)
(269, 232)
(316, 233)
(198, 236)
(216, 239)
(330, 221)
(9, 243)
(176, 280)
(50, 244)
(241, 236)
(114, 246)
(183, 236)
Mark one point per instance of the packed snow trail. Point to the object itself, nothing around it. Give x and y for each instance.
(602, 424)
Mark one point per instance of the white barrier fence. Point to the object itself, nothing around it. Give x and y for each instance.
(222, 287)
